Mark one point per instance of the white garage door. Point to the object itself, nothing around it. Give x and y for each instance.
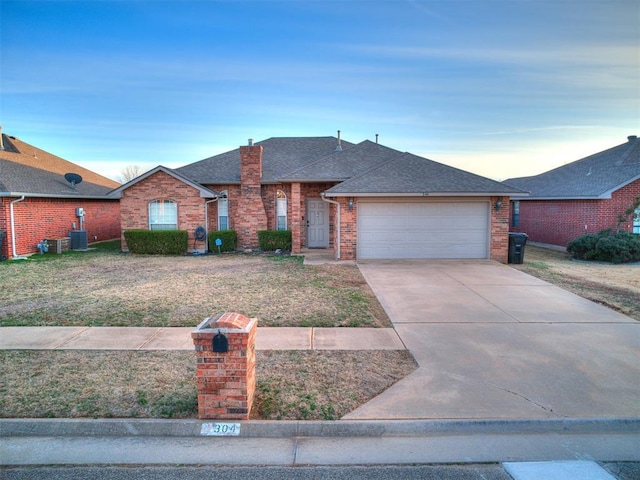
(423, 230)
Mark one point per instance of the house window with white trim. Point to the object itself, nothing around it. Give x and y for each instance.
(636, 221)
(223, 211)
(281, 210)
(163, 215)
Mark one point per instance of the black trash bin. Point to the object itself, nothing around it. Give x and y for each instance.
(517, 241)
(2, 235)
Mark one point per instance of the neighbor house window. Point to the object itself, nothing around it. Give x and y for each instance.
(163, 215)
(281, 210)
(516, 214)
(223, 211)
(636, 221)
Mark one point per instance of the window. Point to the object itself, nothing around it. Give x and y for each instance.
(223, 211)
(516, 214)
(281, 210)
(163, 215)
(636, 221)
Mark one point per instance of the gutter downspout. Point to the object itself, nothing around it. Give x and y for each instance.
(337, 223)
(13, 230)
(206, 222)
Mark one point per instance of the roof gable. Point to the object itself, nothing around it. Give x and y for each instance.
(204, 192)
(595, 176)
(409, 174)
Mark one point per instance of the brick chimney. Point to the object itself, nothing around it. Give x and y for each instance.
(252, 215)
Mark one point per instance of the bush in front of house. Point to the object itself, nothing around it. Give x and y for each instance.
(157, 242)
(229, 240)
(621, 247)
(270, 240)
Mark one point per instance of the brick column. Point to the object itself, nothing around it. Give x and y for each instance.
(226, 380)
(296, 219)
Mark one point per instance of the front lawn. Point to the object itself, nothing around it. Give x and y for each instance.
(104, 287)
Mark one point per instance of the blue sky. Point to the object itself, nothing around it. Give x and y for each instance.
(499, 88)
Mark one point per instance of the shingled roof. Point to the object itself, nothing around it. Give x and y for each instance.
(280, 156)
(359, 169)
(594, 177)
(28, 170)
(409, 174)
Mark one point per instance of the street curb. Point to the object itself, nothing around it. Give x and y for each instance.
(288, 429)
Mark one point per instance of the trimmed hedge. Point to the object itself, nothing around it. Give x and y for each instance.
(228, 237)
(622, 247)
(157, 242)
(270, 240)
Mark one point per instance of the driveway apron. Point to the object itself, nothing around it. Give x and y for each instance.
(493, 342)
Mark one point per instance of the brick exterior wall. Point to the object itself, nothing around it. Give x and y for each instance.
(557, 222)
(39, 218)
(134, 204)
(226, 380)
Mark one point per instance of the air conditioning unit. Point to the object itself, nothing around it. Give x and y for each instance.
(79, 239)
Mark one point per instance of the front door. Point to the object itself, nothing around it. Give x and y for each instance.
(317, 223)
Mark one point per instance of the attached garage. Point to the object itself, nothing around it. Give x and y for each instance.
(389, 229)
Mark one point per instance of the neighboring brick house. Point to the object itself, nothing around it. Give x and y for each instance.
(585, 196)
(37, 202)
(362, 201)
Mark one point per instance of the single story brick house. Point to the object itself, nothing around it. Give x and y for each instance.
(362, 201)
(585, 196)
(38, 203)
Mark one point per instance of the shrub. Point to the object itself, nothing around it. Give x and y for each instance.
(583, 247)
(621, 247)
(270, 240)
(162, 242)
(228, 237)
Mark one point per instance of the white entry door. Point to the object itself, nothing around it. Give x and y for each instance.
(317, 223)
(423, 230)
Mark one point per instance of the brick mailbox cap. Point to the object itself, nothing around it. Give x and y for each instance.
(227, 321)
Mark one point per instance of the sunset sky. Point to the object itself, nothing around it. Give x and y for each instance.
(499, 88)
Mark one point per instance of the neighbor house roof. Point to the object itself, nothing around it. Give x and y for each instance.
(408, 174)
(31, 171)
(594, 177)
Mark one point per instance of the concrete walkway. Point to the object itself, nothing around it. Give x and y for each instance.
(179, 338)
(493, 342)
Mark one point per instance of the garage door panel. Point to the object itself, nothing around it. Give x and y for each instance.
(423, 230)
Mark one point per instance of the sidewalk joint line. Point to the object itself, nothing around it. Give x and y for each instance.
(155, 334)
(56, 347)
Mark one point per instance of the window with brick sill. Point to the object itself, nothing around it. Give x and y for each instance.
(223, 211)
(163, 215)
(636, 221)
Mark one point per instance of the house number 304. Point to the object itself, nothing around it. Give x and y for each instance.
(220, 429)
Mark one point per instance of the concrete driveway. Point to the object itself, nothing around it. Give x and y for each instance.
(493, 342)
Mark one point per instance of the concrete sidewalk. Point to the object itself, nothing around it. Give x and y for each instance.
(179, 338)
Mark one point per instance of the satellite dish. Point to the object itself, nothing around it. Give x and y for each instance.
(73, 178)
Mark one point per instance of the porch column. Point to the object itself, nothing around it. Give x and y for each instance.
(296, 219)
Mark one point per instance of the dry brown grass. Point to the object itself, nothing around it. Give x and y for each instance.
(292, 385)
(106, 288)
(615, 286)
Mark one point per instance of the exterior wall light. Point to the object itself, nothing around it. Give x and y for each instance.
(499, 204)
(350, 203)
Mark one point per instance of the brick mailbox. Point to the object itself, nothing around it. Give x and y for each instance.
(226, 365)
